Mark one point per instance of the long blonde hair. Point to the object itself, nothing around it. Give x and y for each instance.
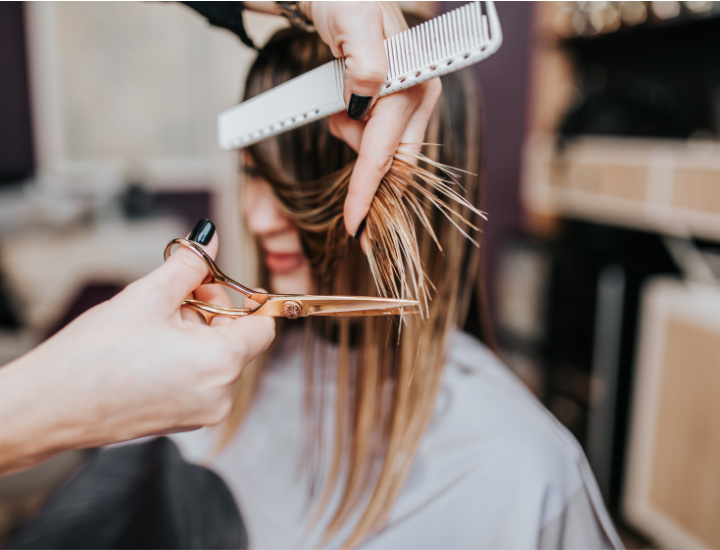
(386, 388)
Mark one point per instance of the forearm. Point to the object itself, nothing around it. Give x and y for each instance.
(31, 427)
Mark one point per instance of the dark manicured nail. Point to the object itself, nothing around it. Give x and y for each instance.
(202, 232)
(358, 106)
(360, 229)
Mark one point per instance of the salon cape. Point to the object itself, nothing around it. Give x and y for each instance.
(494, 470)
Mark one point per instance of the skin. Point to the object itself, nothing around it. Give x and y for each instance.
(138, 364)
(401, 117)
(277, 236)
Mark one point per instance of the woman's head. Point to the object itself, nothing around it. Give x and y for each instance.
(295, 187)
(277, 236)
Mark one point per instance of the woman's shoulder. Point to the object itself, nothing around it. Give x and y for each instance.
(495, 447)
(481, 399)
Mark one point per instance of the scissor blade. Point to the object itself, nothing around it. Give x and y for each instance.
(303, 305)
(360, 307)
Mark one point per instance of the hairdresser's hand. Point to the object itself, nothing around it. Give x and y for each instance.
(355, 31)
(136, 365)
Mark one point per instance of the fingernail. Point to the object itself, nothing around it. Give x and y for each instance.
(358, 106)
(360, 229)
(202, 232)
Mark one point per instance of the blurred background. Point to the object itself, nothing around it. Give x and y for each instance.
(603, 192)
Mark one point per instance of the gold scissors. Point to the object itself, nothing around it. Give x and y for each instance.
(290, 306)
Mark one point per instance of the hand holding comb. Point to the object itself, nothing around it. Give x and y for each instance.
(439, 46)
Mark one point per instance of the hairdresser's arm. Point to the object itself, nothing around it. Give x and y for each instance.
(355, 31)
(133, 366)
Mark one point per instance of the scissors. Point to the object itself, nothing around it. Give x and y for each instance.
(290, 306)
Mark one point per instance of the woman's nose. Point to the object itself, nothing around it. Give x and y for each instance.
(262, 213)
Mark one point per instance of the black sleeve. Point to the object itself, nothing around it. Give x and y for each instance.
(227, 15)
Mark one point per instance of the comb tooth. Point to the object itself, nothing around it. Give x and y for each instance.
(477, 25)
(428, 44)
(446, 37)
(396, 55)
(451, 34)
(397, 47)
(429, 40)
(340, 77)
(391, 59)
(477, 21)
(461, 43)
(423, 40)
(455, 41)
(466, 27)
(420, 44)
(471, 28)
(440, 40)
(411, 50)
(406, 52)
(485, 31)
(416, 49)
(419, 34)
(433, 41)
(399, 54)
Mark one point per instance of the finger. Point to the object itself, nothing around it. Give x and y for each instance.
(224, 301)
(248, 336)
(379, 143)
(346, 129)
(184, 270)
(400, 118)
(362, 46)
(211, 294)
(413, 136)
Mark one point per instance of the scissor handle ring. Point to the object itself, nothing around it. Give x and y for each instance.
(215, 275)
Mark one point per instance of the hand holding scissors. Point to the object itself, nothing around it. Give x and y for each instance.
(290, 306)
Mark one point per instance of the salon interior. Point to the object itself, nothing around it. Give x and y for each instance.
(602, 173)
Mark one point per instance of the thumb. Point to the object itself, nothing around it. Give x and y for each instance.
(185, 270)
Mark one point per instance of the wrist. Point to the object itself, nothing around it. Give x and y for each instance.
(36, 415)
(24, 439)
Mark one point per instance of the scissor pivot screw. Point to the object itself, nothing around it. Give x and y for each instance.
(291, 309)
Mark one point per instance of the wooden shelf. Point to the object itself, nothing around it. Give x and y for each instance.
(667, 186)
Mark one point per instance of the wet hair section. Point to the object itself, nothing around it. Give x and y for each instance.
(309, 171)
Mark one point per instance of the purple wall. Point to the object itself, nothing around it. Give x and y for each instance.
(16, 149)
(504, 81)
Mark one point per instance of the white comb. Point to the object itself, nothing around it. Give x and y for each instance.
(439, 46)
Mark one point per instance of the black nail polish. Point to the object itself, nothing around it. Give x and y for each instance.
(358, 106)
(360, 229)
(203, 232)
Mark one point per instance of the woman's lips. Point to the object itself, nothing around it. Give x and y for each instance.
(283, 263)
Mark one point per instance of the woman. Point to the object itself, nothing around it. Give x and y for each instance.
(375, 432)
